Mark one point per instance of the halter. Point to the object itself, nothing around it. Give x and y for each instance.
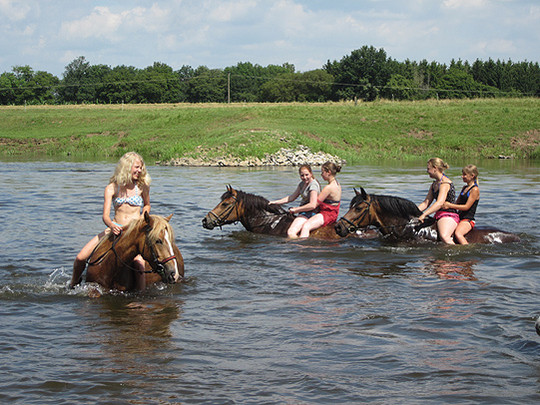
(222, 219)
(354, 227)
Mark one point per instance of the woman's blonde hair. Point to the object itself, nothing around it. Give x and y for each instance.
(439, 164)
(122, 173)
(471, 169)
(331, 167)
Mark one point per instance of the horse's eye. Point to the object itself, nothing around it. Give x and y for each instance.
(159, 242)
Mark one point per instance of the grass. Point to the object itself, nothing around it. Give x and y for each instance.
(482, 128)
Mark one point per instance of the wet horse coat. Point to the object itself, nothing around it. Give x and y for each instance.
(110, 265)
(397, 218)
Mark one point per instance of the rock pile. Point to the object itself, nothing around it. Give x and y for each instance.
(283, 157)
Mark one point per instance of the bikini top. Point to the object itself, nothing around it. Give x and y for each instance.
(331, 202)
(466, 194)
(135, 200)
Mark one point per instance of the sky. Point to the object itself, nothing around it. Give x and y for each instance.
(48, 34)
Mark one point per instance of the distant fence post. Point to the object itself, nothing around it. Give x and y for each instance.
(229, 88)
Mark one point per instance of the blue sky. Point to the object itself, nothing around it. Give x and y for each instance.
(48, 34)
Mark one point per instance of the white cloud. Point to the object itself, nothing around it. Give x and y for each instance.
(14, 10)
(493, 47)
(228, 12)
(105, 24)
(100, 23)
(464, 4)
(221, 33)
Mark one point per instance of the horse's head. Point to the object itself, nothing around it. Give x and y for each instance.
(159, 249)
(359, 214)
(228, 211)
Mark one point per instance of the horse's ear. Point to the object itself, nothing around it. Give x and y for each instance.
(356, 191)
(168, 218)
(231, 190)
(147, 225)
(364, 194)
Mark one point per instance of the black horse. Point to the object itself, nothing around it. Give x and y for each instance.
(397, 218)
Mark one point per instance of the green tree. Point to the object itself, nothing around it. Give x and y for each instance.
(74, 81)
(120, 85)
(362, 73)
(207, 85)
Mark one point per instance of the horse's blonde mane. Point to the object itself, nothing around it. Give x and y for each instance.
(160, 223)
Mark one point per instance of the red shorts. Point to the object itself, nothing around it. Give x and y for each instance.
(443, 214)
(329, 212)
(470, 221)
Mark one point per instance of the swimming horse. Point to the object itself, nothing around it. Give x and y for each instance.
(151, 236)
(397, 218)
(256, 215)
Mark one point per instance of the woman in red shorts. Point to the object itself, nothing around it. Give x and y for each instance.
(328, 201)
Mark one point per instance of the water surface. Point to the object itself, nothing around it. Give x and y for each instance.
(262, 319)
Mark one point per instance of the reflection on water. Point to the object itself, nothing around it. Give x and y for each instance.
(263, 319)
(134, 336)
(458, 270)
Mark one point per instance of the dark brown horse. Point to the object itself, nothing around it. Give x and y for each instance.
(397, 218)
(256, 215)
(151, 236)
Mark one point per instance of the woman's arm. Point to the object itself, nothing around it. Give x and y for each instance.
(146, 199)
(437, 205)
(310, 206)
(474, 195)
(107, 202)
(429, 198)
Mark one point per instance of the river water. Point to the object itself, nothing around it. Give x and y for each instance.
(262, 319)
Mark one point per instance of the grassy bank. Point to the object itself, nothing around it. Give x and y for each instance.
(368, 131)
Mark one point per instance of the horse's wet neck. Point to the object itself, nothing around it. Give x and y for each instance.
(263, 222)
(127, 250)
(395, 226)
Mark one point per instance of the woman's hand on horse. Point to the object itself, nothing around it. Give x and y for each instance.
(116, 229)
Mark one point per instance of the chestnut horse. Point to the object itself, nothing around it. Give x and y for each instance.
(396, 218)
(256, 215)
(111, 262)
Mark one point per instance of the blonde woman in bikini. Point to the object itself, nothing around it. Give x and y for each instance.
(129, 193)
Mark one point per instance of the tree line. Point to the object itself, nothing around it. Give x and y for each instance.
(366, 74)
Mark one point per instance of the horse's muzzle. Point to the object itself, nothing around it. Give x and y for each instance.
(341, 229)
(208, 224)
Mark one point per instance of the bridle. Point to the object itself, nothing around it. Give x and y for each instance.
(352, 227)
(221, 219)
